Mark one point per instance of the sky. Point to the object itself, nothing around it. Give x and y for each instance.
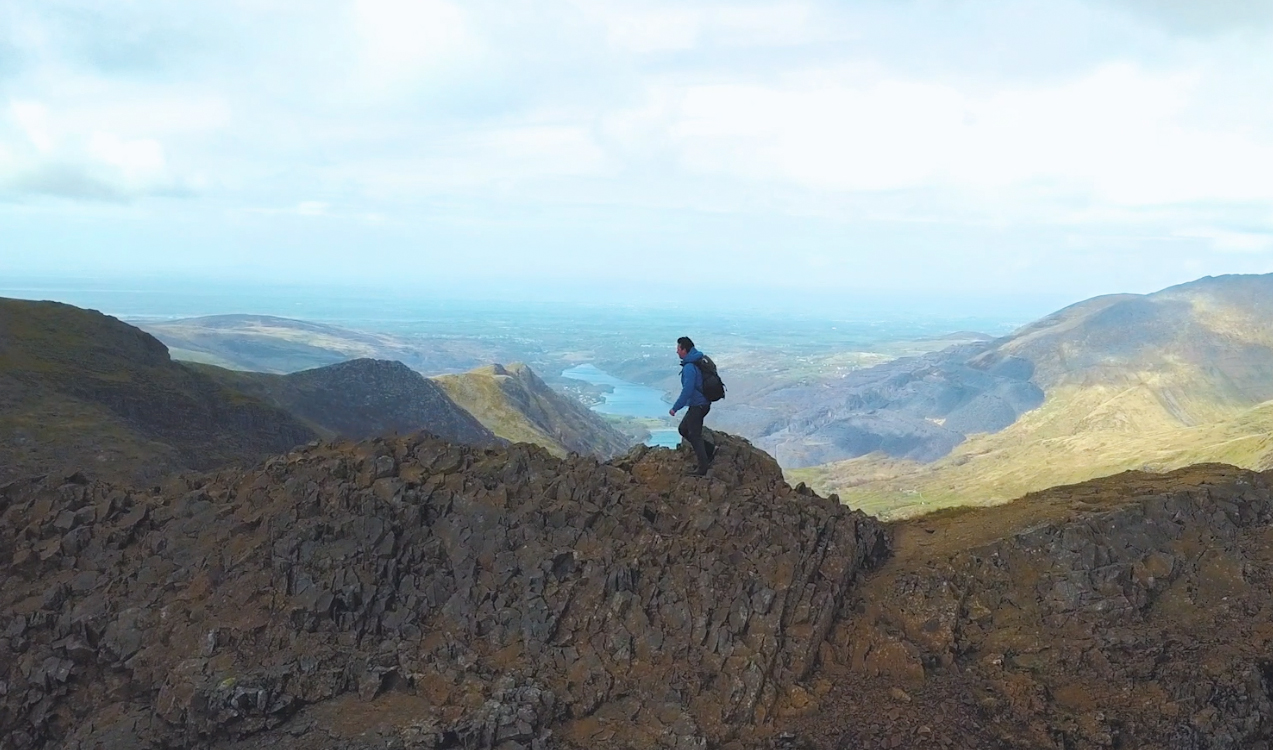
(785, 150)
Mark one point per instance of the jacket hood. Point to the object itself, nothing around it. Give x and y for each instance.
(693, 355)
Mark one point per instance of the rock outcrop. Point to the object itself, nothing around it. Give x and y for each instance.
(409, 592)
(1132, 611)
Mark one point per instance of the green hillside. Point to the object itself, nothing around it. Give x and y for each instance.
(80, 390)
(516, 405)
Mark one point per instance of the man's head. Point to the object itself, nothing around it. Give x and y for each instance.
(683, 345)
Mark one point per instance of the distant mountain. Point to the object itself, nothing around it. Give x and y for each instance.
(80, 390)
(264, 343)
(362, 398)
(1156, 381)
(516, 405)
(912, 407)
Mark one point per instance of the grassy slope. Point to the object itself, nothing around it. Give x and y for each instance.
(480, 393)
(83, 391)
(515, 405)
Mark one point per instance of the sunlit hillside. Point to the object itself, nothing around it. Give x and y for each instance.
(516, 405)
(1150, 382)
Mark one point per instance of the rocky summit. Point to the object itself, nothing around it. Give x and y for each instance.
(409, 592)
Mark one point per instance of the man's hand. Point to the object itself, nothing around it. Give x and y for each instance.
(672, 412)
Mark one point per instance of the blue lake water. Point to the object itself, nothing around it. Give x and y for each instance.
(629, 400)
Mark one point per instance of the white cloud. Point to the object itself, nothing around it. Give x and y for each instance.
(33, 119)
(138, 161)
(1228, 241)
(1119, 132)
(404, 41)
(58, 156)
(651, 28)
(1077, 120)
(312, 208)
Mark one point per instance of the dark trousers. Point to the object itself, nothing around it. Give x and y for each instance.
(692, 430)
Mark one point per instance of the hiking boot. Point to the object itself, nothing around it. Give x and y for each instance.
(711, 452)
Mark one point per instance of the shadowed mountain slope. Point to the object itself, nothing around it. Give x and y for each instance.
(1153, 381)
(913, 407)
(83, 391)
(516, 405)
(362, 398)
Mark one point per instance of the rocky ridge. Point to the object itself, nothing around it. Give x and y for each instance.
(409, 592)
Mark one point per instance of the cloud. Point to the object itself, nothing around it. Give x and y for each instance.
(1232, 241)
(312, 208)
(1188, 18)
(72, 181)
(42, 154)
(402, 43)
(1067, 125)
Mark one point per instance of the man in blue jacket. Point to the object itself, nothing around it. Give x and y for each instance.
(692, 396)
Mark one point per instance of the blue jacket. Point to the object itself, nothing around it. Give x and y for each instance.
(691, 382)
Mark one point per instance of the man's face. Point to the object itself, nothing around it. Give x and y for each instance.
(680, 351)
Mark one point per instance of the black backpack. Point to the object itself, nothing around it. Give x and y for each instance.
(713, 386)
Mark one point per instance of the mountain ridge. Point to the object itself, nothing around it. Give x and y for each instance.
(1155, 381)
(85, 391)
(362, 398)
(515, 404)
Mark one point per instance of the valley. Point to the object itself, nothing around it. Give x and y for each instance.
(896, 417)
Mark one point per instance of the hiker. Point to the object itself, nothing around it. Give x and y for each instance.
(691, 429)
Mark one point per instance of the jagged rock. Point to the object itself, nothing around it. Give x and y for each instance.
(1126, 612)
(411, 592)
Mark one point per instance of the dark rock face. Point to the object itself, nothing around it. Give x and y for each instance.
(414, 593)
(365, 398)
(1136, 616)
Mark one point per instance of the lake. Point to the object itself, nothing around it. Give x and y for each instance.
(629, 400)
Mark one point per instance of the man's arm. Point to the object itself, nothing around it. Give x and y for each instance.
(687, 388)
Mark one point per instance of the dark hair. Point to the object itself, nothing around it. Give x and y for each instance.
(685, 342)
